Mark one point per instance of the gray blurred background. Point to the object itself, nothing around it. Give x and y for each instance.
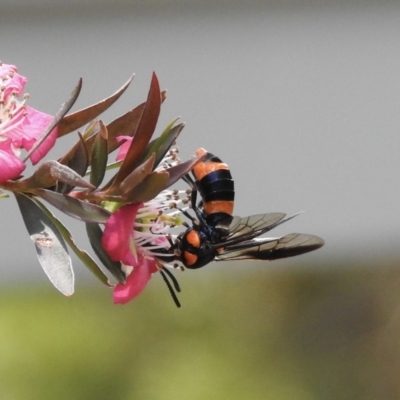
(301, 99)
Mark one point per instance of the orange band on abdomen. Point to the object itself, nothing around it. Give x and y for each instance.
(204, 168)
(211, 207)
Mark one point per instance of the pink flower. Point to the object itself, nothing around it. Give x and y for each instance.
(20, 125)
(136, 235)
(136, 281)
(124, 147)
(119, 242)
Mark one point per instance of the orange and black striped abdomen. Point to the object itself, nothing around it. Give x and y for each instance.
(215, 184)
(213, 181)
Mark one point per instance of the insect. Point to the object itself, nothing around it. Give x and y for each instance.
(217, 235)
(213, 180)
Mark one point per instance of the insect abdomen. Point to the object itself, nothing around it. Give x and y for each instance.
(215, 184)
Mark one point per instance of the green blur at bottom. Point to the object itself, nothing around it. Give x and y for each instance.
(279, 334)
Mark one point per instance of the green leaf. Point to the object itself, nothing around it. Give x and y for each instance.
(79, 118)
(143, 133)
(95, 234)
(99, 156)
(50, 246)
(148, 189)
(56, 120)
(164, 142)
(81, 254)
(75, 208)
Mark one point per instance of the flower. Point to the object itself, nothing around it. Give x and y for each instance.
(20, 125)
(126, 142)
(138, 236)
(118, 241)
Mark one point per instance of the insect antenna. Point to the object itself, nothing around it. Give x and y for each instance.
(173, 279)
(165, 275)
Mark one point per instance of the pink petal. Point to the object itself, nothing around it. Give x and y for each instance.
(45, 147)
(117, 233)
(124, 147)
(10, 166)
(135, 282)
(27, 124)
(16, 83)
(33, 125)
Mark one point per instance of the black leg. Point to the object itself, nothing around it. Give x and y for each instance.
(189, 180)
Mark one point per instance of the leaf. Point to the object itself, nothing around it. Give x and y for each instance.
(40, 179)
(143, 133)
(164, 142)
(95, 234)
(154, 145)
(65, 174)
(148, 189)
(81, 254)
(176, 172)
(75, 208)
(79, 118)
(65, 107)
(99, 156)
(78, 160)
(77, 157)
(137, 176)
(51, 172)
(50, 246)
(126, 124)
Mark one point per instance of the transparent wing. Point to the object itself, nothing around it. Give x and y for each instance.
(247, 228)
(241, 226)
(271, 248)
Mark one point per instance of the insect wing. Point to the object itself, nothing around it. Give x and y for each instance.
(271, 248)
(240, 226)
(247, 228)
